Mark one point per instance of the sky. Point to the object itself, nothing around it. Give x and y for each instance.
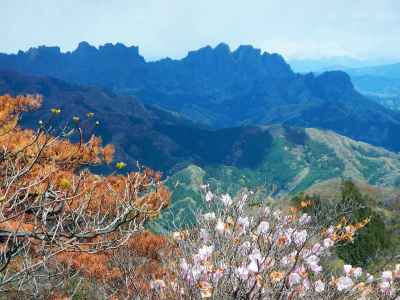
(363, 29)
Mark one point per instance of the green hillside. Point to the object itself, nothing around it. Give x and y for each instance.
(297, 160)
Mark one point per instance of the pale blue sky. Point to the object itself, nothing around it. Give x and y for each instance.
(308, 28)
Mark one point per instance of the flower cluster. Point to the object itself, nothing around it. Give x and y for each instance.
(244, 252)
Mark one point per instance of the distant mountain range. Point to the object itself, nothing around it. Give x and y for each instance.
(383, 82)
(318, 65)
(386, 71)
(222, 88)
(379, 80)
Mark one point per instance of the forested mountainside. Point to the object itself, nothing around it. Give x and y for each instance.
(297, 160)
(154, 137)
(222, 88)
(292, 158)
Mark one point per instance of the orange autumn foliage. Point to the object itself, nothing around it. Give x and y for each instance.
(127, 270)
(90, 265)
(53, 211)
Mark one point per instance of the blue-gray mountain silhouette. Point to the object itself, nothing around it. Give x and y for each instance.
(221, 88)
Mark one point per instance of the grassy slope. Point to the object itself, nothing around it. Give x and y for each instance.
(296, 161)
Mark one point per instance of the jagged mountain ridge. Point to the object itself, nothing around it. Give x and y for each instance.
(117, 66)
(222, 88)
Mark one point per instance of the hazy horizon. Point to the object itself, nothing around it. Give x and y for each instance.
(363, 30)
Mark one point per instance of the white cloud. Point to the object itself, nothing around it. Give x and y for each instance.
(308, 28)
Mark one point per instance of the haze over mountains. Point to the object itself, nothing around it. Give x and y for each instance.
(222, 88)
(381, 83)
(379, 80)
(318, 65)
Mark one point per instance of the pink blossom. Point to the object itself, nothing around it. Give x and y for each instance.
(195, 272)
(217, 275)
(242, 201)
(226, 199)
(330, 230)
(344, 283)
(317, 249)
(266, 211)
(285, 260)
(255, 260)
(306, 253)
(328, 243)
(243, 273)
(347, 269)
(244, 248)
(312, 260)
(209, 196)
(300, 237)
(256, 255)
(357, 272)
(209, 216)
(220, 227)
(269, 262)
(397, 271)
(204, 253)
(294, 279)
(204, 186)
(387, 275)
(244, 223)
(305, 219)
(319, 286)
(385, 286)
(244, 198)
(263, 228)
(253, 266)
(306, 284)
(316, 268)
(288, 234)
(184, 265)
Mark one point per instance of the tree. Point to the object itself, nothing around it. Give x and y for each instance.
(372, 238)
(51, 206)
(354, 207)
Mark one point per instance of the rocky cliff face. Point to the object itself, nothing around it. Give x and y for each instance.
(222, 88)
